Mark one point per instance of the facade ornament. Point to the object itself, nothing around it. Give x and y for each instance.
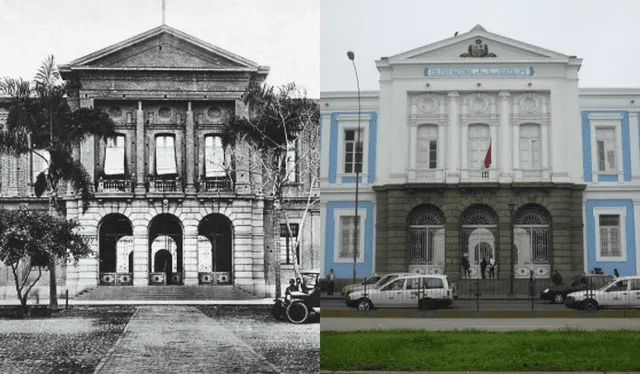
(478, 50)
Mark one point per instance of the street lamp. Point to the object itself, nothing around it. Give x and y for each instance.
(352, 57)
(513, 262)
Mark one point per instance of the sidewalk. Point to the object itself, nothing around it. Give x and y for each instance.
(474, 372)
(61, 302)
(161, 339)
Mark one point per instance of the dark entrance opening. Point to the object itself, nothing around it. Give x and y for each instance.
(166, 253)
(219, 230)
(112, 228)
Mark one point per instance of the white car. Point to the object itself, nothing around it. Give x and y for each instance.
(382, 281)
(623, 292)
(409, 290)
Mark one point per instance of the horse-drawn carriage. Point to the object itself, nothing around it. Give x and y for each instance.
(303, 305)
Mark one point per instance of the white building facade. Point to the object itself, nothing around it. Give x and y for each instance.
(481, 146)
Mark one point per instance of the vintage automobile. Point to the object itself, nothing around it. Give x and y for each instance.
(300, 306)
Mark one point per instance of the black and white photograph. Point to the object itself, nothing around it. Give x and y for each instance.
(159, 186)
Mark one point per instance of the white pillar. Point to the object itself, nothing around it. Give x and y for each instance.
(140, 256)
(506, 146)
(516, 145)
(495, 148)
(190, 253)
(634, 145)
(544, 134)
(441, 139)
(636, 214)
(464, 146)
(412, 140)
(454, 138)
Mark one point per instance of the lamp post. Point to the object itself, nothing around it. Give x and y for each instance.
(352, 57)
(513, 262)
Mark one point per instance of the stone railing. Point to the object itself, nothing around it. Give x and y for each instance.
(114, 185)
(164, 185)
(220, 184)
(532, 175)
(479, 175)
(425, 175)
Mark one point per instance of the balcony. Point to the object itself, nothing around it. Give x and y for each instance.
(478, 175)
(111, 186)
(163, 185)
(215, 185)
(425, 175)
(532, 175)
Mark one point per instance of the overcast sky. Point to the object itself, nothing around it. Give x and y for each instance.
(282, 34)
(605, 34)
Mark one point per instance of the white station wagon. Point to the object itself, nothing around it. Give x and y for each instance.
(425, 291)
(623, 292)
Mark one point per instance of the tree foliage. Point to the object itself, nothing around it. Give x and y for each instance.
(30, 237)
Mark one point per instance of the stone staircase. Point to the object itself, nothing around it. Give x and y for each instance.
(163, 293)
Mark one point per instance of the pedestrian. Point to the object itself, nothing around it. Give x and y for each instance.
(464, 263)
(332, 281)
(483, 267)
(492, 267)
(299, 285)
(615, 273)
(556, 278)
(292, 287)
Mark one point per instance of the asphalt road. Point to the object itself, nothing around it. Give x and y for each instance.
(472, 305)
(493, 324)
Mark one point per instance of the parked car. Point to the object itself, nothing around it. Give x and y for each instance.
(557, 294)
(623, 292)
(375, 281)
(425, 291)
(300, 307)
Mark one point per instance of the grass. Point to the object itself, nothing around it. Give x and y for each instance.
(569, 350)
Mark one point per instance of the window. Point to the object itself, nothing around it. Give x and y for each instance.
(38, 164)
(214, 165)
(479, 140)
(413, 283)
(394, 286)
(433, 283)
(635, 284)
(287, 240)
(619, 286)
(427, 147)
(347, 229)
(165, 155)
(114, 156)
(353, 152)
(530, 147)
(606, 149)
(291, 172)
(610, 244)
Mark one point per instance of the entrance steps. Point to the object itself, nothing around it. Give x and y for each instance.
(162, 293)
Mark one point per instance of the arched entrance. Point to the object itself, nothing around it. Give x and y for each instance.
(215, 250)
(532, 239)
(479, 236)
(426, 240)
(165, 250)
(115, 248)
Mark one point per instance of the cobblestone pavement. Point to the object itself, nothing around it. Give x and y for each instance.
(182, 339)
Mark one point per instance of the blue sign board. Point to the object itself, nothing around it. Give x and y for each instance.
(454, 71)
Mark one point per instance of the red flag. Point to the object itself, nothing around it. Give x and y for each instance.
(487, 158)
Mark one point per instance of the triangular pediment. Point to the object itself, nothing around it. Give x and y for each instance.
(478, 45)
(163, 48)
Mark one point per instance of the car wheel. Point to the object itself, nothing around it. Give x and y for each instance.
(297, 313)
(278, 312)
(364, 304)
(591, 305)
(558, 298)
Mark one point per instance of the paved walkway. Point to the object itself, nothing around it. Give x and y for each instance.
(180, 339)
(61, 302)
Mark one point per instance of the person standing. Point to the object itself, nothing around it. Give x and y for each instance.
(492, 267)
(556, 278)
(483, 267)
(464, 264)
(332, 281)
(615, 273)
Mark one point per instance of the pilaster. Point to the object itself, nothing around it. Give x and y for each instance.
(505, 144)
(140, 256)
(453, 149)
(190, 254)
(190, 158)
(140, 145)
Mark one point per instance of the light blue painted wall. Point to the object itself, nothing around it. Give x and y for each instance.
(586, 147)
(345, 269)
(334, 157)
(625, 268)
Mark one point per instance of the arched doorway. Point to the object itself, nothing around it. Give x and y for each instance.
(115, 247)
(426, 240)
(165, 246)
(215, 249)
(479, 236)
(532, 239)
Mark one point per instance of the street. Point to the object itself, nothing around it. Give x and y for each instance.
(470, 305)
(492, 324)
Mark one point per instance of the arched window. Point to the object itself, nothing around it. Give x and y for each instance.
(426, 236)
(531, 235)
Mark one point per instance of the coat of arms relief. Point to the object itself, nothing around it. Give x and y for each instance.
(478, 50)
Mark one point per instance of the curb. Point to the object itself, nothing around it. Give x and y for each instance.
(476, 372)
(346, 313)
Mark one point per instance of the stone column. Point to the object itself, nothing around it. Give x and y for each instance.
(495, 149)
(453, 162)
(412, 145)
(190, 253)
(464, 147)
(257, 242)
(516, 142)
(506, 168)
(140, 157)
(441, 146)
(243, 181)
(190, 159)
(140, 254)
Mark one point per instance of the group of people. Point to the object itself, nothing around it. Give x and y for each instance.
(466, 267)
(600, 271)
(297, 285)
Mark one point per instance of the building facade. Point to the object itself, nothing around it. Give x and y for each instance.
(172, 205)
(481, 146)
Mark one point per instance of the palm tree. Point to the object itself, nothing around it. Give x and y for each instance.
(41, 123)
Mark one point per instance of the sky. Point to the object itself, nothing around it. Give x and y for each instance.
(604, 33)
(281, 34)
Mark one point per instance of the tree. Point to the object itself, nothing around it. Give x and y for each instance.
(278, 119)
(28, 237)
(41, 123)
